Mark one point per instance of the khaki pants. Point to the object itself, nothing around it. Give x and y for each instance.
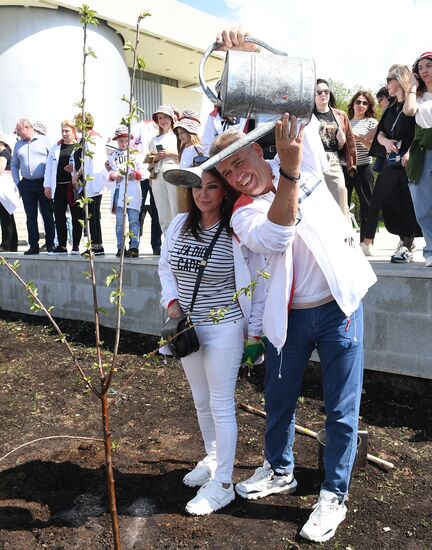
(165, 197)
(335, 181)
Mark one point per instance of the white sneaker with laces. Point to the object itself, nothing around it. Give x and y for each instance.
(428, 262)
(366, 248)
(211, 497)
(402, 256)
(264, 482)
(327, 515)
(204, 471)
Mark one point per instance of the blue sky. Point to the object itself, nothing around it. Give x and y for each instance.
(213, 7)
(356, 48)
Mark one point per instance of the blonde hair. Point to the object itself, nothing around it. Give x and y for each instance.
(402, 73)
(194, 140)
(70, 123)
(222, 141)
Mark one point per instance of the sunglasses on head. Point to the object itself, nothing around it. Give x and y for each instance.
(200, 159)
(326, 92)
(361, 102)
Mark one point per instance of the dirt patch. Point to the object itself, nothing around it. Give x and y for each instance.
(53, 495)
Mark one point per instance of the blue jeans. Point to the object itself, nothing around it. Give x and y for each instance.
(32, 194)
(421, 193)
(134, 227)
(339, 342)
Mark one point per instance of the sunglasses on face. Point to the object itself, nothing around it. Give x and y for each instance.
(200, 159)
(326, 92)
(390, 78)
(361, 102)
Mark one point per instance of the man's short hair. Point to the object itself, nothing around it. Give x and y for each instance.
(222, 141)
(25, 122)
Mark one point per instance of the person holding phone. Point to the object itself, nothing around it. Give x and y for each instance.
(419, 165)
(163, 156)
(395, 133)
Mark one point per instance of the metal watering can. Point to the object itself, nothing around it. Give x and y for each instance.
(263, 83)
(254, 84)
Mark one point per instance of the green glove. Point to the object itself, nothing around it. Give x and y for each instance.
(253, 348)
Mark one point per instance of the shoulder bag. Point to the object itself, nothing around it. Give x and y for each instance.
(180, 334)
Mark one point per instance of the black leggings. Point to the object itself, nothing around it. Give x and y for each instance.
(60, 206)
(362, 182)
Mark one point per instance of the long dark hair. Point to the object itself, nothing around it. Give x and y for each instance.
(332, 99)
(370, 111)
(422, 88)
(192, 221)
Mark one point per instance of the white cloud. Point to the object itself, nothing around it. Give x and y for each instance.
(351, 41)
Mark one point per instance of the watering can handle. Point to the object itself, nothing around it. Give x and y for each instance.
(208, 92)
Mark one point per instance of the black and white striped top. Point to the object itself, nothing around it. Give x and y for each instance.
(361, 128)
(218, 282)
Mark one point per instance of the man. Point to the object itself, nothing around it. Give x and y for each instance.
(29, 159)
(317, 280)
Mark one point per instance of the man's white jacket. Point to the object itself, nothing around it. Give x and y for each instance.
(246, 266)
(326, 233)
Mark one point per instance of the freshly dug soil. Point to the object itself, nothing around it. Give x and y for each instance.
(53, 493)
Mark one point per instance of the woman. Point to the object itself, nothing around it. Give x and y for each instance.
(419, 169)
(188, 146)
(361, 114)
(58, 186)
(212, 370)
(394, 136)
(8, 199)
(94, 164)
(337, 139)
(162, 156)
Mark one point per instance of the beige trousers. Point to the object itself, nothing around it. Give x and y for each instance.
(335, 181)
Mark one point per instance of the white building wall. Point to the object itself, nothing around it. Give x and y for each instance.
(41, 69)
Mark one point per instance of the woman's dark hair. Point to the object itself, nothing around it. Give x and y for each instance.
(192, 221)
(382, 92)
(7, 146)
(421, 88)
(332, 99)
(370, 111)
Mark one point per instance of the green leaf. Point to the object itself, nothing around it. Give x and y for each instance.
(141, 63)
(111, 277)
(102, 310)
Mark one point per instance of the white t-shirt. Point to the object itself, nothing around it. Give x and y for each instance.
(188, 154)
(423, 115)
(310, 285)
(168, 142)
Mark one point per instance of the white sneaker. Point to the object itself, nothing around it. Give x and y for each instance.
(324, 520)
(366, 248)
(204, 471)
(428, 262)
(402, 256)
(264, 482)
(211, 497)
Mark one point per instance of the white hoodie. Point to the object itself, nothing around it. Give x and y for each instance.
(326, 233)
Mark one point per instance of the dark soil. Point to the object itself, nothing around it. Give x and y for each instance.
(53, 493)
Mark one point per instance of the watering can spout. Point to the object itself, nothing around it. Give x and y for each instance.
(191, 177)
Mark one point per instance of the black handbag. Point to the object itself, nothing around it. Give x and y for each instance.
(180, 334)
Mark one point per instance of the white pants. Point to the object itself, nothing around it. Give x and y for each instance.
(212, 374)
(165, 197)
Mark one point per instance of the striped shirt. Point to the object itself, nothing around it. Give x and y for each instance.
(218, 282)
(361, 128)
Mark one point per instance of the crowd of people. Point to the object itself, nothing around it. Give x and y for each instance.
(283, 208)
